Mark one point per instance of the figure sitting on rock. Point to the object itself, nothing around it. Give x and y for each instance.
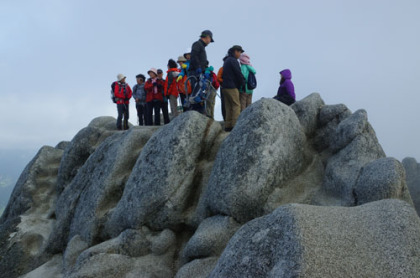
(286, 92)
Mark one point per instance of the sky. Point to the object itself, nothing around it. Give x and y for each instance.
(58, 58)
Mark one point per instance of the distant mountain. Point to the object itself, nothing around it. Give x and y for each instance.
(12, 163)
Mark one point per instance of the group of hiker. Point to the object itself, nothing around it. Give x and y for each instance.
(194, 83)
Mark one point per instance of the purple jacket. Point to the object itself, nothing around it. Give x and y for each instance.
(286, 86)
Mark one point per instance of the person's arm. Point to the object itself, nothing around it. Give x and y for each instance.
(195, 54)
(220, 75)
(129, 91)
(239, 77)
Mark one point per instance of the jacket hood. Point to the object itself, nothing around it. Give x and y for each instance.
(244, 59)
(287, 74)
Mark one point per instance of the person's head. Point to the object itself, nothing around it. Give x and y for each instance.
(187, 55)
(236, 51)
(160, 74)
(181, 60)
(284, 75)
(121, 78)
(152, 73)
(245, 59)
(172, 64)
(207, 37)
(140, 78)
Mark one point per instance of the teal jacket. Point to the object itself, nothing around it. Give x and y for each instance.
(245, 71)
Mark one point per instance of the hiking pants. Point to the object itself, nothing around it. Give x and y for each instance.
(183, 96)
(210, 102)
(165, 112)
(233, 107)
(141, 113)
(173, 100)
(153, 106)
(223, 103)
(122, 113)
(246, 100)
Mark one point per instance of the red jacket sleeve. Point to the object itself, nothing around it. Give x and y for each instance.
(165, 87)
(215, 82)
(129, 91)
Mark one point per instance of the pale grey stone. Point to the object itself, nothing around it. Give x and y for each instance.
(379, 239)
(412, 169)
(307, 110)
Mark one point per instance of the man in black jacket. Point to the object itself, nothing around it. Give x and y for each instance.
(233, 80)
(198, 60)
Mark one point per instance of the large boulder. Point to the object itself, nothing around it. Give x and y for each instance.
(81, 147)
(134, 253)
(354, 146)
(162, 189)
(27, 222)
(380, 179)
(82, 208)
(379, 239)
(211, 238)
(307, 110)
(265, 149)
(412, 169)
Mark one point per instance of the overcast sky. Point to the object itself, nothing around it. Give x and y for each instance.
(58, 58)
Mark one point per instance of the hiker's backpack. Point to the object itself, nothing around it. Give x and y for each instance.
(252, 81)
(113, 98)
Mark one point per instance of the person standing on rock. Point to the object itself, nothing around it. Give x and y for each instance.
(122, 93)
(171, 87)
(154, 97)
(220, 79)
(182, 78)
(139, 95)
(286, 91)
(165, 103)
(199, 62)
(246, 93)
(233, 80)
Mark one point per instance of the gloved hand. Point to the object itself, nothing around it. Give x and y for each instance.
(210, 69)
(207, 75)
(184, 66)
(179, 78)
(198, 71)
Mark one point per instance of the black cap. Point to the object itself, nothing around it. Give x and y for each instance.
(141, 76)
(206, 33)
(172, 64)
(159, 71)
(238, 47)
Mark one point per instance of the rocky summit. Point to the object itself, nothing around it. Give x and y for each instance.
(299, 191)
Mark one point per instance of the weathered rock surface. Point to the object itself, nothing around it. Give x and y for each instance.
(265, 149)
(166, 201)
(379, 239)
(167, 177)
(412, 169)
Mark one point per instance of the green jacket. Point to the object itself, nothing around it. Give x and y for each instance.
(245, 71)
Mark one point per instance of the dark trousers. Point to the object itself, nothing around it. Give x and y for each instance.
(182, 101)
(141, 113)
(223, 104)
(165, 112)
(122, 113)
(153, 106)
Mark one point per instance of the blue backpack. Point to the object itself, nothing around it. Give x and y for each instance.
(252, 81)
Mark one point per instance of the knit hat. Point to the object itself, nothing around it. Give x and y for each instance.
(172, 64)
(244, 59)
(120, 77)
(152, 70)
(159, 71)
(182, 59)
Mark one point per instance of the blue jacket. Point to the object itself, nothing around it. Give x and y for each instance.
(139, 93)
